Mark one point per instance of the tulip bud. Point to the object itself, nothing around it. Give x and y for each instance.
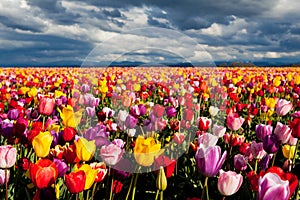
(161, 180)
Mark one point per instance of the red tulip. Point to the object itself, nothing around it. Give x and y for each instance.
(204, 123)
(68, 134)
(46, 105)
(43, 174)
(75, 181)
(295, 126)
(158, 110)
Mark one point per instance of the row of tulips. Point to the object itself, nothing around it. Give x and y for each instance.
(146, 132)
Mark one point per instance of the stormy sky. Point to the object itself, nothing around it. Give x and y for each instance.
(60, 32)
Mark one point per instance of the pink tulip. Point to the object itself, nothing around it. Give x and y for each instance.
(270, 186)
(8, 156)
(283, 107)
(257, 150)
(111, 154)
(2, 176)
(283, 132)
(234, 122)
(229, 182)
(46, 105)
(219, 130)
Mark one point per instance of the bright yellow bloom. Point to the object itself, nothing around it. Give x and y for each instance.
(297, 80)
(70, 118)
(276, 81)
(41, 144)
(85, 149)
(58, 93)
(288, 151)
(24, 90)
(270, 102)
(89, 173)
(33, 92)
(145, 150)
(54, 127)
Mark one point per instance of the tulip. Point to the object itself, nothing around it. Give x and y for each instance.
(8, 156)
(257, 150)
(20, 126)
(70, 118)
(206, 140)
(240, 162)
(68, 134)
(234, 122)
(213, 111)
(43, 174)
(171, 111)
(167, 163)
(178, 138)
(90, 175)
(145, 150)
(99, 134)
(2, 176)
(270, 186)
(69, 154)
(188, 114)
(62, 166)
(204, 123)
(42, 143)
(119, 142)
(161, 180)
(13, 114)
(111, 154)
(75, 181)
(271, 143)
(229, 182)
(90, 111)
(46, 105)
(295, 126)
(218, 130)
(143, 109)
(85, 149)
(283, 107)
(158, 110)
(263, 130)
(101, 171)
(288, 151)
(117, 186)
(283, 132)
(209, 161)
(131, 122)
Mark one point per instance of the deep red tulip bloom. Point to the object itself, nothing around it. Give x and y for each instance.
(295, 126)
(43, 174)
(68, 134)
(75, 181)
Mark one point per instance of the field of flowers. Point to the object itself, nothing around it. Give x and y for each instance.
(149, 133)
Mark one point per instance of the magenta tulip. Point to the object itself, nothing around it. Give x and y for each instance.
(257, 150)
(262, 131)
(240, 162)
(270, 186)
(209, 161)
(8, 156)
(229, 182)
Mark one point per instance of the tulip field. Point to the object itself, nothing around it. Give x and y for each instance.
(150, 133)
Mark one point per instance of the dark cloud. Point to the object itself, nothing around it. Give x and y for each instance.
(22, 25)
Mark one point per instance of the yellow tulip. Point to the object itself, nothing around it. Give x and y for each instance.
(41, 144)
(33, 92)
(70, 118)
(58, 93)
(288, 151)
(90, 174)
(145, 150)
(85, 149)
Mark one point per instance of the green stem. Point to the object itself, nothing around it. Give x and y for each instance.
(93, 191)
(157, 193)
(274, 158)
(111, 187)
(134, 186)
(129, 189)
(44, 117)
(205, 189)
(161, 195)
(295, 154)
(256, 162)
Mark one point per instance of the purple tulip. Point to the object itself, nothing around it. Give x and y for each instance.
(209, 161)
(99, 134)
(240, 162)
(264, 163)
(270, 186)
(143, 109)
(90, 111)
(7, 128)
(13, 114)
(131, 122)
(171, 111)
(85, 88)
(257, 150)
(64, 100)
(271, 143)
(263, 130)
(135, 111)
(55, 138)
(61, 166)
